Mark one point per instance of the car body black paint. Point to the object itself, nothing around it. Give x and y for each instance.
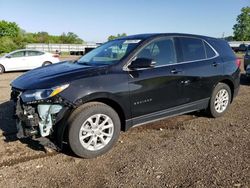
(145, 94)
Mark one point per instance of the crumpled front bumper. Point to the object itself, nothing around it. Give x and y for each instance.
(36, 118)
(27, 120)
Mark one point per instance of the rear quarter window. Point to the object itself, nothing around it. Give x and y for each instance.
(209, 51)
(223, 48)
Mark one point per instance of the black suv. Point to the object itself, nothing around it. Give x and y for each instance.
(125, 82)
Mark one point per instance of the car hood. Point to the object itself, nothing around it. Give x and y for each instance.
(54, 75)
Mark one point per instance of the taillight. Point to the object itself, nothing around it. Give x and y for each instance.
(55, 55)
(238, 62)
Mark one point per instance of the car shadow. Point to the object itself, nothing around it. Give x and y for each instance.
(244, 80)
(9, 130)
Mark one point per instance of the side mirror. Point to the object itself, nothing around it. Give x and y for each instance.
(141, 63)
(8, 56)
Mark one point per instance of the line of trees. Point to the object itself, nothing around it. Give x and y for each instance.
(242, 27)
(241, 30)
(12, 37)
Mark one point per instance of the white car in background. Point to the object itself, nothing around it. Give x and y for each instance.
(26, 59)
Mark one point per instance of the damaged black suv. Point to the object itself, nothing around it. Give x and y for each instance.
(125, 82)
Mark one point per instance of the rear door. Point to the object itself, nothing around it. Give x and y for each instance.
(201, 68)
(158, 88)
(34, 59)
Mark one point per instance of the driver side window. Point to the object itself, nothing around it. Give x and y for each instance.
(18, 54)
(161, 51)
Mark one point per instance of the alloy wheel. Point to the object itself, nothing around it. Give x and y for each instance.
(221, 101)
(96, 132)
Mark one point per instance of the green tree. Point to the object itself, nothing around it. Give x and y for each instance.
(12, 37)
(70, 38)
(9, 29)
(242, 27)
(42, 37)
(7, 44)
(229, 38)
(112, 37)
(29, 37)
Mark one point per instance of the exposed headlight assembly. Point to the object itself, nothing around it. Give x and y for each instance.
(41, 94)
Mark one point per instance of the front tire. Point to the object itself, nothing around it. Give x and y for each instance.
(220, 100)
(2, 70)
(93, 129)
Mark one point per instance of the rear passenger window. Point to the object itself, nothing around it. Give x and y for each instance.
(192, 49)
(161, 51)
(209, 51)
(34, 53)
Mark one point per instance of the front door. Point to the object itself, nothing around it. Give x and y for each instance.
(153, 90)
(16, 61)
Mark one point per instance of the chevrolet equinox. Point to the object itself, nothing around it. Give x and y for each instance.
(125, 82)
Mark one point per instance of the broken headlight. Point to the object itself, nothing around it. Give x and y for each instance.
(41, 94)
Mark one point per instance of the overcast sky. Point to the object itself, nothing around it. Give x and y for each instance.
(95, 20)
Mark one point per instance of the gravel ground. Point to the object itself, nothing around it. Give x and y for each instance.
(185, 151)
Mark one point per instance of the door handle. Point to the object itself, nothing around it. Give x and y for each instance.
(175, 71)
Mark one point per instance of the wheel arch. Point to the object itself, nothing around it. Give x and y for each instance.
(116, 106)
(4, 69)
(44, 63)
(231, 86)
(62, 125)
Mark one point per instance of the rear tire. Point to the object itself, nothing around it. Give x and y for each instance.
(2, 70)
(220, 100)
(46, 63)
(93, 129)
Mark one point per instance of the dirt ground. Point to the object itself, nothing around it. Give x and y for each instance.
(185, 151)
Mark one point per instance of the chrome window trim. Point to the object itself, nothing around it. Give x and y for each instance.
(125, 67)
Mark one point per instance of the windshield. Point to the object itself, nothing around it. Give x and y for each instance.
(109, 53)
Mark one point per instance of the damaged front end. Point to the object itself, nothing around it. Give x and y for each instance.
(37, 112)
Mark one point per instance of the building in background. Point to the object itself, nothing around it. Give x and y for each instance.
(72, 49)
